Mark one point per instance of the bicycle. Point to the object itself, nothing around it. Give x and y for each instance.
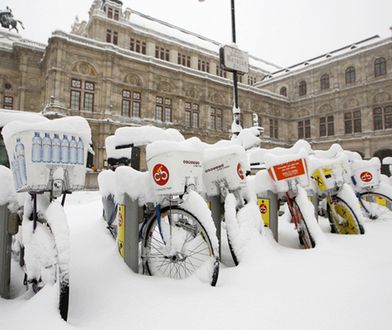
(329, 171)
(374, 195)
(47, 165)
(224, 176)
(286, 174)
(177, 234)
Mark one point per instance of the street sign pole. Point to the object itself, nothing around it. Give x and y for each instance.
(236, 125)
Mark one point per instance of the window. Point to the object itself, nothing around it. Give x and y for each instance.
(110, 12)
(184, 60)
(8, 102)
(352, 122)
(380, 67)
(137, 46)
(350, 75)
(283, 91)
(302, 88)
(304, 129)
(163, 109)
(82, 93)
(112, 37)
(324, 82)
(116, 15)
(215, 122)
(382, 118)
(203, 66)
(130, 104)
(191, 117)
(162, 53)
(327, 127)
(251, 80)
(273, 128)
(220, 72)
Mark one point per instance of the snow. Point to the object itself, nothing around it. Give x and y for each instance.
(343, 284)
(7, 191)
(73, 125)
(132, 182)
(106, 182)
(347, 194)
(7, 116)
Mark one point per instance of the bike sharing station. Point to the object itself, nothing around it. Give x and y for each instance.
(47, 160)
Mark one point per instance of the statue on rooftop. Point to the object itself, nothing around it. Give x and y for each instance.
(8, 21)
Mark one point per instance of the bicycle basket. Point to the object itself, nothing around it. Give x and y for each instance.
(172, 171)
(228, 169)
(36, 153)
(287, 169)
(366, 172)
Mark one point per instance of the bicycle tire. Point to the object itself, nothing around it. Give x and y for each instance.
(177, 263)
(375, 197)
(231, 249)
(352, 226)
(305, 237)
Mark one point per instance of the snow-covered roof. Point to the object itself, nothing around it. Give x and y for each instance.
(170, 33)
(326, 58)
(8, 40)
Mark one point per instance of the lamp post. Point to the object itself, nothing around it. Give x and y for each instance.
(236, 125)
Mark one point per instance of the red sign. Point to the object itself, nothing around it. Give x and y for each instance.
(366, 176)
(263, 208)
(289, 170)
(240, 171)
(160, 173)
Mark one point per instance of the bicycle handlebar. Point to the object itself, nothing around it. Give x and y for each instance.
(124, 146)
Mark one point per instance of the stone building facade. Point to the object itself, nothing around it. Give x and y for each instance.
(121, 68)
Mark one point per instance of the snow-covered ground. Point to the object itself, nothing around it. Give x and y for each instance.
(344, 283)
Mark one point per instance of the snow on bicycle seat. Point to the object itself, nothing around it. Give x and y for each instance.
(286, 164)
(38, 150)
(329, 168)
(224, 164)
(173, 165)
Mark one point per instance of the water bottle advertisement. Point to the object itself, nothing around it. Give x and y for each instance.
(35, 155)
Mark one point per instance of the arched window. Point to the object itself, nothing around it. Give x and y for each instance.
(283, 91)
(380, 67)
(350, 75)
(324, 82)
(302, 88)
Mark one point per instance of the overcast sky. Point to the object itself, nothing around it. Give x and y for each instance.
(281, 31)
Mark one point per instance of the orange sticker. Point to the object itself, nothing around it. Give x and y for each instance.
(289, 170)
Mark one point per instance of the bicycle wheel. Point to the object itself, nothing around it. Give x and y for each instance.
(378, 205)
(177, 247)
(304, 235)
(342, 218)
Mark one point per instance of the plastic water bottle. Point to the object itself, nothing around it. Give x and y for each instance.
(73, 152)
(80, 152)
(46, 148)
(36, 156)
(56, 149)
(20, 156)
(65, 150)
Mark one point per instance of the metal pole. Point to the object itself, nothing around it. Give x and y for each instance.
(5, 253)
(236, 126)
(217, 210)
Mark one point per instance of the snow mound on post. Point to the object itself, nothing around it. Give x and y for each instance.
(307, 210)
(134, 183)
(57, 220)
(7, 190)
(248, 138)
(106, 183)
(197, 206)
(244, 226)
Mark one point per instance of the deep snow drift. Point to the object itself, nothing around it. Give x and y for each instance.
(344, 283)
